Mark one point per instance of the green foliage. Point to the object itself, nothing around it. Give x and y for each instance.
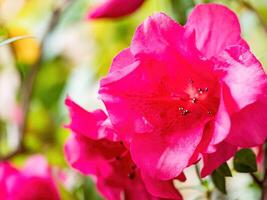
(224, 170)
(218, 177)
(180, 9)
(218, 180)
(245, 161)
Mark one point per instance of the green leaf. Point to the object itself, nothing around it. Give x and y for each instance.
(245, 161)
(224, 170)
(218, 180)
(180, 9)
(10, 40)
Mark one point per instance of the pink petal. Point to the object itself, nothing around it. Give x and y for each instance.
(115, 8)
(32, 188)
(33, 182)
(93, 125)
(91, 156)
(244, 76)
(212, 161)
(165, 157)
(159, 36)
(122, 60)
(159, 188)
(216, 28)
(6, 171)
(249, 126)
(37, 166)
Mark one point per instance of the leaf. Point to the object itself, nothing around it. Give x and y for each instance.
(180, 9)
(218, 180)
(10, 40)
(218, 177)
(224, 170)
(245, 161)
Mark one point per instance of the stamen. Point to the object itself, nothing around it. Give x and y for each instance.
(117, 157)
(194, 100)
(209, 112)
(206, 89)
(200, 90)
(131, 175)
(134, 167)
(181, 108)
(191, 81)
(185, 112)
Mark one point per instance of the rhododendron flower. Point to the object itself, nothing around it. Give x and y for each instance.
(115, 8)
(109, 160)
(32, 182)
(182, 93)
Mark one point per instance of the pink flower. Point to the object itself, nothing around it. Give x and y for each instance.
(182, 93)
(109, 161)
(32, 182)
(115, 8)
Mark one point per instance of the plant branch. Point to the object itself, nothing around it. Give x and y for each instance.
(207, 192)
(256, 179)
(29, 82)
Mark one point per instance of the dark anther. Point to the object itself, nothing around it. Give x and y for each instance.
(200, 90)
(185, 112)
(134, 167)
(194, 100)
(209, 112)
(191, 81)
(206, 89)
(131, 175)
(181, 108)
(117, 157)
(121, 143)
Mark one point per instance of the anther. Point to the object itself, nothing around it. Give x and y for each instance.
(193, 100)
(206, 89)
(191, 81)
(131, 175)
(181, 108)
(121, 143)
(200, 90)
(134, 167)
(209, 112)
(117, 157)
(185, 112)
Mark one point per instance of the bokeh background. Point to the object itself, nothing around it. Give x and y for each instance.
(67, 55)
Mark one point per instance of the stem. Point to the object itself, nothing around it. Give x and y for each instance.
(208, 192)
(29, 82)
(264, 183)
(198, 174)
(256, 179)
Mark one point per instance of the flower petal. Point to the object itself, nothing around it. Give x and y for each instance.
(249, 126)
(214, 160)
(91, 156)
(94, 125)
(115, 8)
(244, 76)
(159, 188)
(160, 36)
(165, 157)
(216, 28)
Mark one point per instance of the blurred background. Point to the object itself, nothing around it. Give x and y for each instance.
(67, 55)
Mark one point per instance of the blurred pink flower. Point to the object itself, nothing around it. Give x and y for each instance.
(182, 93)
(115, 8)
(109, 160)
(32, 182)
